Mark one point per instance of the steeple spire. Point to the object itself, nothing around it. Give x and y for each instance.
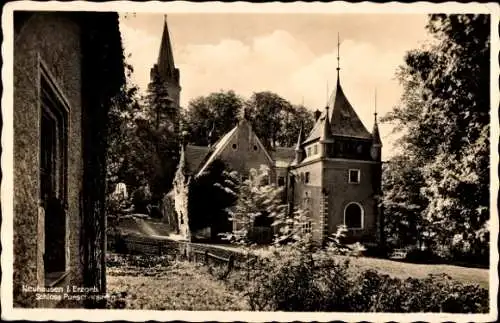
(338, 55)
(165, 63)
(375, 132)
(326, 134)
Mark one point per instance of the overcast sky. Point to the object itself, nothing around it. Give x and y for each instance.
(293, 55)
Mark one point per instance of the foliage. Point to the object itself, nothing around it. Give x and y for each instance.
(212, 115)
(292, 118)
(297, 281)
(257, 197)
(143, 145)
(215, 191)
(444, 120)
(275, 120)
(403, 202)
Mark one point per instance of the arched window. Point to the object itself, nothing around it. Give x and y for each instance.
(353, 216)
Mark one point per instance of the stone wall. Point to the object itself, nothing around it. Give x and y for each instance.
(55, 40)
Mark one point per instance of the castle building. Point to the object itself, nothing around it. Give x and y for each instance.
(334, 172)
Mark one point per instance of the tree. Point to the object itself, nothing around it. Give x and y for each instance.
(444, 120)
(403, 201)
(212, 194)
(214, 114)
(158, 130)
(292, 117)
(265, 110)
(256, 198)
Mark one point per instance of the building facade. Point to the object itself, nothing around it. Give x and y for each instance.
(334, 171)
(67, 66)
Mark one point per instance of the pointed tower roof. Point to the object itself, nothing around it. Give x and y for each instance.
(165, 63)
(375, 133)
(344, 119)
(326, 134)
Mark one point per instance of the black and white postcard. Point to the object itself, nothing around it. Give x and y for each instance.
(249, 162)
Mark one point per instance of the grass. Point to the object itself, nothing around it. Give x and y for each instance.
(176, 286)
(404, 270)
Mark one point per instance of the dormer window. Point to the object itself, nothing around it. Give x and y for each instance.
(316, 149)
(354, 176)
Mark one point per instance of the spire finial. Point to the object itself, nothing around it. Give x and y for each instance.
(338, 52)
(327, 92)
(375, 113)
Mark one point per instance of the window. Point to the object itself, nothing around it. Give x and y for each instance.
(354, 176)
(255, 148)
(234, 146)
(308, 151)
(316, 149)
(306, 227)
(353, 216)
(281, 181)
(307, 177)
(53, 176)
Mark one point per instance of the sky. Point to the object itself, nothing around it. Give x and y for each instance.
(293, 55)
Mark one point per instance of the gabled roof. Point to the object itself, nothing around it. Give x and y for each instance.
(344, 120)
(218, 148)
(195, 156)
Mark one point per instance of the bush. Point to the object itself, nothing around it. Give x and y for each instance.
(423, 257)
(297, 281)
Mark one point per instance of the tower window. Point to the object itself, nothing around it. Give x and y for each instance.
(281, 181)
(316, 149)
(353, 216)
(354, 176)
(307, 177)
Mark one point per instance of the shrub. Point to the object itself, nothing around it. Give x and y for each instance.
(296, 281)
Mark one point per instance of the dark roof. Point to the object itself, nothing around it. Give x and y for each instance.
(195, 156)
(318, 129)
(344, 120)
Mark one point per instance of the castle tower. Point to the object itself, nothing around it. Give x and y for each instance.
(339, 178)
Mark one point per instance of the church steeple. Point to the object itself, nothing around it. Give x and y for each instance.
(165, 64)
